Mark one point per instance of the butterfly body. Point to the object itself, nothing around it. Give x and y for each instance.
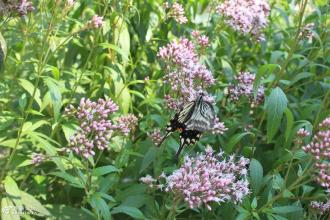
(191, 121)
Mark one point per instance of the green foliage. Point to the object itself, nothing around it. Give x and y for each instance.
(51, 58)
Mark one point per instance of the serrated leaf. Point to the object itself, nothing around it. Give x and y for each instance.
(100, 171)
(256, 174)
(131, 211)
(276, 104)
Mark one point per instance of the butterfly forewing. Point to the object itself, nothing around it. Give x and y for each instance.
(202, 118)
(186, 112)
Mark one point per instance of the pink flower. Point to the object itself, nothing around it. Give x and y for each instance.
(127, 123)
(302, 133)
(307, 31)
(209, 178)
(244, 87)
(96, 22)
(218, 127)
(186, 76)
(149, 180)
(176, 12)
(95, 126)
(37, 159)
(70, 3)
(203, 41)
(321, 208)
(155, 136)
(245, 16)
(320, 149)
(24, 7)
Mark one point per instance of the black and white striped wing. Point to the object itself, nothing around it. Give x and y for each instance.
(202, 118)
(186, 112)
(177, 123)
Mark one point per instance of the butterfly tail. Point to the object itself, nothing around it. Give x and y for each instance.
(163, 139)
(182, 144)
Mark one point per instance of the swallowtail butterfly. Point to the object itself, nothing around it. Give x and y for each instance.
(191, 121)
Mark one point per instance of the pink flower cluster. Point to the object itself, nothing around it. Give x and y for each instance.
(201, 39)
(321, 207)
(155, 136)
(176, 11)
(307, 31)
(320, 149)
(96, 22)
(218, 127)
(95, 126)
(127, 123)
(70, 3)
(244, 87)
(245, 16)
(37, 158)
(206, 178)
(302, 133)
(184, 73)
(24, 7)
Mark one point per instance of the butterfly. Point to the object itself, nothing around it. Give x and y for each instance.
(191, 121)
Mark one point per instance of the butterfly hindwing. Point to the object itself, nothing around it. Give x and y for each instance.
(188, 137)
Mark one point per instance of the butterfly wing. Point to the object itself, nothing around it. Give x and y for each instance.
(177, 122)
(202, 119)
(188, 137)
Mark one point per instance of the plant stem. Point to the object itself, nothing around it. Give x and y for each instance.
(172, 212)
(41, 65)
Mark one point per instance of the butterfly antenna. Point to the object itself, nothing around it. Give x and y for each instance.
(163, 139)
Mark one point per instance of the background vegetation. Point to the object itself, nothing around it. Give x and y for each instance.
(51, 57)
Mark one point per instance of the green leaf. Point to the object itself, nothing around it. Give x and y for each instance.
(29, 87)
(227, 69)
(14, 193)
(67, 212)
(33, 205)
(101, 206)
(122, 37)
(69, 130)
(286, 209)
(100, 171)
(289, 123)
(115, 48)
(276, 104)
(149, 157)
(8, 210)
(55, 95)
(131, 211)
(74, 181)
(234, 140)
(263, 71)
(256, 174)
